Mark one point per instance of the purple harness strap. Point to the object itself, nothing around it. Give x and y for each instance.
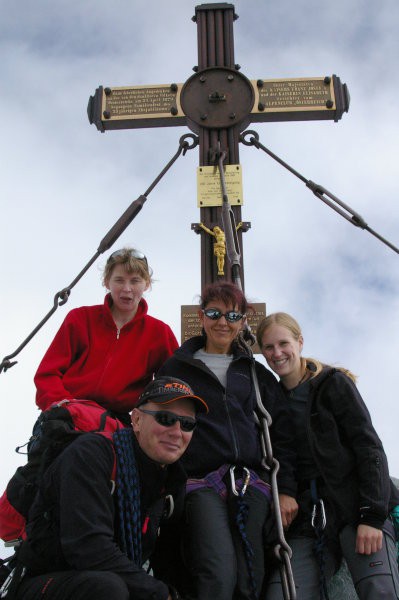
(215, 480)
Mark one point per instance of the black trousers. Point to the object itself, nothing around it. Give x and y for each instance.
(213, 549)
(73, 585)
(374, 576)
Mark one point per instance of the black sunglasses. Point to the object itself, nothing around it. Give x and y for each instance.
(132, 252)
(232, 316)
(168, 419)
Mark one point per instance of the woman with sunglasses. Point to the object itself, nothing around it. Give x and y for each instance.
(344, 490)
(109, 352)
(226, 560)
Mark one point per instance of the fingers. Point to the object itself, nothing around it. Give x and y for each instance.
(288, 509)
(368, 539)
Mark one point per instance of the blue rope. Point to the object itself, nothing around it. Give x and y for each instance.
(318, 548)
(241, 519)
(128, 495)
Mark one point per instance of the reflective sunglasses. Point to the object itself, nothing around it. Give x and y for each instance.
(132, 252)
(232, 316)
(168, 419)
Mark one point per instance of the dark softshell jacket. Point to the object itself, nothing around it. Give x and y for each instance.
(73, 520)
(228, 434)
(347, 450)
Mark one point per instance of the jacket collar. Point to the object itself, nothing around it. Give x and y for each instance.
(197, 342)
(142, 310)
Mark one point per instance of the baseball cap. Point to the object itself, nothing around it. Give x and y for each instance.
(165, 390)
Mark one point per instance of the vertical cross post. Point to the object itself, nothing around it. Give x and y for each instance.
(216, 49)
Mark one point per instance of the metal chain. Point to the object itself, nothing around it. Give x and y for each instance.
(263, 419)
(108, 240)
(282, 550)
(324, 195)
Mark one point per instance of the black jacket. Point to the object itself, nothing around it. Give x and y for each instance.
(72, 522)
(228, 433)
(347, 450)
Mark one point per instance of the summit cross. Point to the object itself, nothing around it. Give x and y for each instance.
(217, 103)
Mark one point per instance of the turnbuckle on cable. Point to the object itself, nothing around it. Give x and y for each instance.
(186, 142)
(318, 190)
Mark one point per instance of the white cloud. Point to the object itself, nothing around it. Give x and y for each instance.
(63, 184)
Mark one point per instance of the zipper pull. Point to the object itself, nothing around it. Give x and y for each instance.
(117, 333)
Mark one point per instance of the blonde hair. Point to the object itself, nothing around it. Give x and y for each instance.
(132, 260)
(285, 320)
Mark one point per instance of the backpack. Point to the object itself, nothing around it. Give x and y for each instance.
(55, 429)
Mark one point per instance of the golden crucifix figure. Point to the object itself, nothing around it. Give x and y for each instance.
(219, 247)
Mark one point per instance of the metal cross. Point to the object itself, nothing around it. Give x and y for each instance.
(217, 103)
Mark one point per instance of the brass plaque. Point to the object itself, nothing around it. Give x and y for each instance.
(283, 95)
(209, 187)
(191, 325)
(141, 101)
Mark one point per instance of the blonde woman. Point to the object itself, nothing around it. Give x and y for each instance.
(344, 491)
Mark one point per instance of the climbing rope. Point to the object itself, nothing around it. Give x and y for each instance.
(186, 142)
(324, 195)
(128, 495)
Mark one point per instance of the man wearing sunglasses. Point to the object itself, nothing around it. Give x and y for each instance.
(101, 502)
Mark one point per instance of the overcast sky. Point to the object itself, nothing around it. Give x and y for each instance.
(63, 184)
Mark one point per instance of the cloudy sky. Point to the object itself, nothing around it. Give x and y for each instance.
(63, 184)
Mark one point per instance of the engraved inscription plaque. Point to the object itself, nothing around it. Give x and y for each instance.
(139, 101)
(191, 325)
(296, 94)
(209, 188)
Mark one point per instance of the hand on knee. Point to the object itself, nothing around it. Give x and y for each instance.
(368, 539)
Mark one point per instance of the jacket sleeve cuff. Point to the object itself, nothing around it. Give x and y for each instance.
(372, 519)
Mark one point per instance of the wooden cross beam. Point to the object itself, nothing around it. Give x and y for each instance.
(218, 102)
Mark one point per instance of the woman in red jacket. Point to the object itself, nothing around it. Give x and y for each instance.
(109, 352)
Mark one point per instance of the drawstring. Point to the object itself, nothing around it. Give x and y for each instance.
(241, 520)
(319, 522)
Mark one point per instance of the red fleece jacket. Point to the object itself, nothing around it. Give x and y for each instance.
(90, 358)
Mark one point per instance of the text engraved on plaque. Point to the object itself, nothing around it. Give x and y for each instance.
(209, 187)
(138, 102)
(296, 94)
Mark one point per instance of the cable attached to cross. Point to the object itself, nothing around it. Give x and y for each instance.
(186, 142)
(324, 195)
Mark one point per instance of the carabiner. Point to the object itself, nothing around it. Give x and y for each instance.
(323, 515)
(233, 480)
(246, 480)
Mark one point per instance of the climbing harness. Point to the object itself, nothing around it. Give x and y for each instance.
(186, 142)
(319, 522)
(263, 419)
(324, 195)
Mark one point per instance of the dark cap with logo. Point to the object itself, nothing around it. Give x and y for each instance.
(165, 390)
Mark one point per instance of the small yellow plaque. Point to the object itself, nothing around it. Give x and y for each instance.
(209, 187)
